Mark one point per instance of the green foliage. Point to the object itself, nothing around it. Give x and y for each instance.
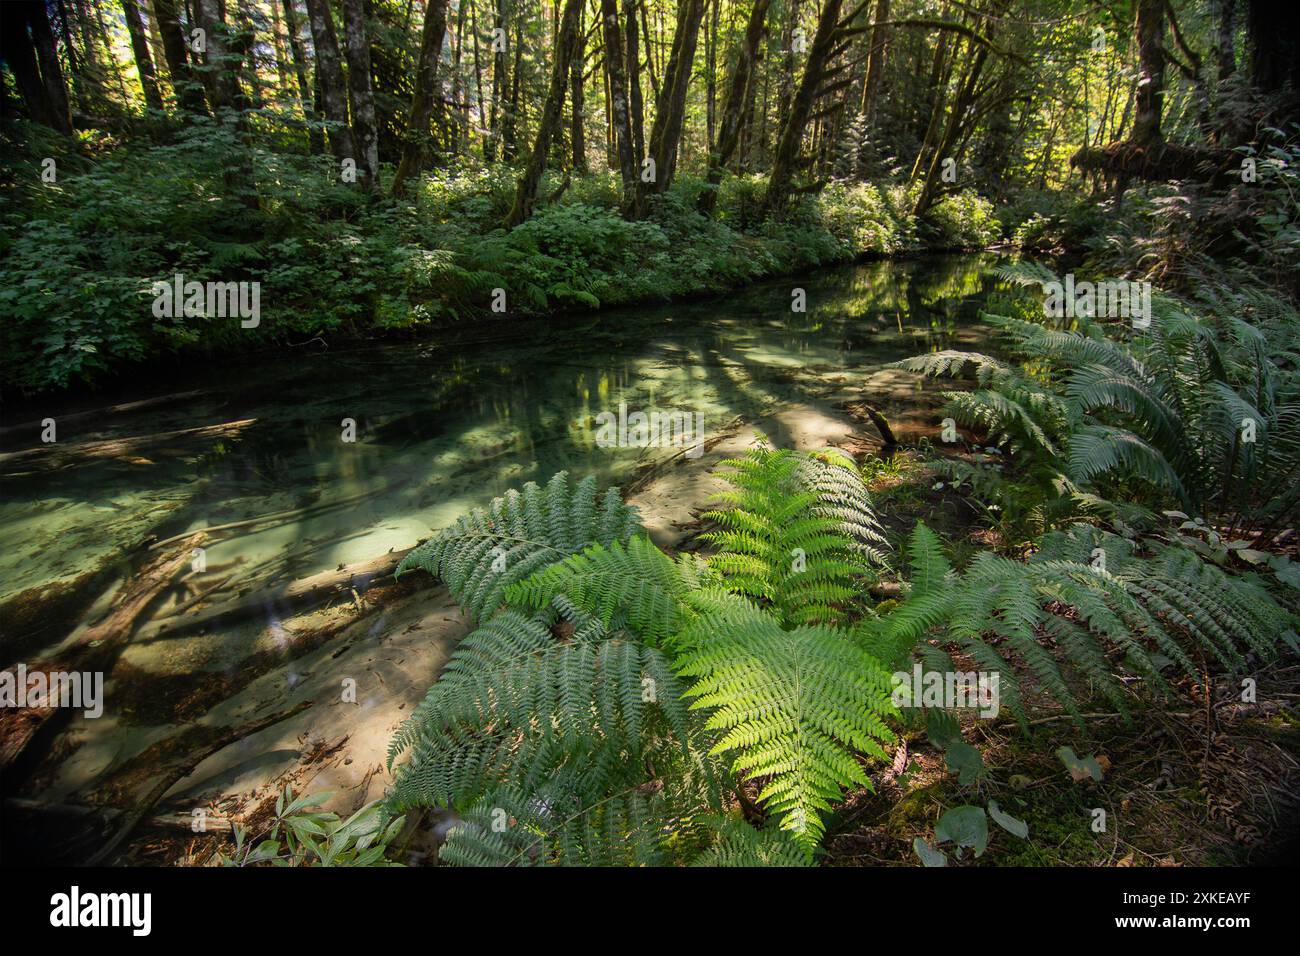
(589, 713)
(1162, 413)
(793, 705)
(1093, 595)
(489, 549)
(303, 835)
(965, 220)
(798, 531)
(740, 845)
(78, 258)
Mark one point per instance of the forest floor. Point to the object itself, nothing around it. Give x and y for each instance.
(1180, 787)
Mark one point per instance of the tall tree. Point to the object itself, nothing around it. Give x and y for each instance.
(329, 75)
(787, 150)
(189, 93)
(56, 89)
(733, 109)
(140, 48)
(1150, 31)
(670, 107)
(618, 101)
(876, 62)
(577, 135)
(315, 137)
(363, 100)
(221, 73)
(499, 80)
(566, 42)
(632, 68)
(18, 50)
(426, 90)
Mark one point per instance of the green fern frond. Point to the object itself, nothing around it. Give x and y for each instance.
(518, 534)
(799, 532)
(793, 706)
(636, 582)
(740, 845)
(548, 828)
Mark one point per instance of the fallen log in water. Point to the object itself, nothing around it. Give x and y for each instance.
(59, 455)
(106, 816)
(307, 511)
(341, 582)
(80, 418)
(182, 766)
(95, 651)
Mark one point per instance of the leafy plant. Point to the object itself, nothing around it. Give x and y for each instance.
(798, 534)
(304, 835)
(1212, 426)
(1091, 593)
(584, 720)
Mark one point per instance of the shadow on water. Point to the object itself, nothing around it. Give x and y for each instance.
(439, 430)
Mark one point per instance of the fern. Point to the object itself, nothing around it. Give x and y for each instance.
(998, 611)
(740, 845)
(592, 709)
(1168, 407)
(793, 705)
(489, 549)
(637, 586)
(798, 534)
(510, 828)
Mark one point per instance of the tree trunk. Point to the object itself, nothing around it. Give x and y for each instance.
(797, 119)
(222, 75)
(244, 42)
(329, 73)
(459, 99)
(364, 124)
(1150, 30)
(55, 90)
(632, 73)
(478, 73)
(733, 110)
(19, 54)
(876, 62)
(618, 111)
(956, 120)
(1225, 42)
(499, 78)
(189, 92)
(577, 136)
(282, 58)
(1273, 36)
(565, 43)
(315, 137)
(670, 108)
(711, 78)
(143, 61)
(510, 121)
(426, 89)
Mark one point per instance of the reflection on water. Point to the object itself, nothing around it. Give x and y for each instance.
(440, 429)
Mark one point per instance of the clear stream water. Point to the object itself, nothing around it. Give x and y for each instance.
(440, 429)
